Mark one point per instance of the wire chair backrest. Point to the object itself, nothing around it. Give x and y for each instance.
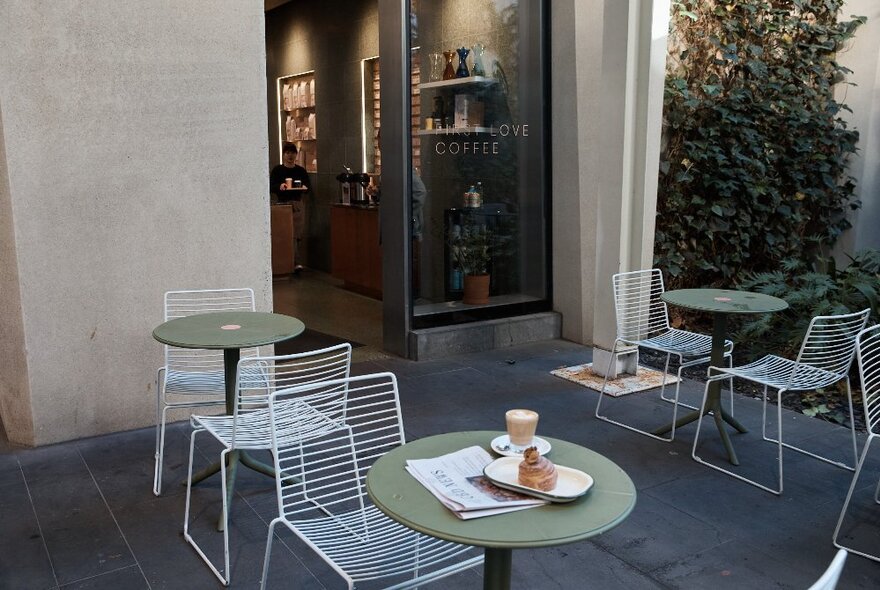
(260, 376)
(637, 305)
(179, 304)
(868, 351)
(830, 342)
(321, 461)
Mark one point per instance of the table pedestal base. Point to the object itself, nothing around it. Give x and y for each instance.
(713, 406)
(496, 569)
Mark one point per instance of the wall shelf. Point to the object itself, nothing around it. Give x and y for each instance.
(297, 117)
(455, 82)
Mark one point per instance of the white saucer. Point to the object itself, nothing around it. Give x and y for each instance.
(501, 445)
(571, 484)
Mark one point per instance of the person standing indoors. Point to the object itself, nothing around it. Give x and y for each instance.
(290, 183)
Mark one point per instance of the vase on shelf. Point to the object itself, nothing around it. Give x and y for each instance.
(436, 66)
(462, 71)
(478, 69)
(449, 71)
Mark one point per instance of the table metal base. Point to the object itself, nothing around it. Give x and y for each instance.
(713, 406)
(496, 569)
(713, 398)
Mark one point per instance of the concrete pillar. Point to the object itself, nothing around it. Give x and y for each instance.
(132, 161)
(633, 64)
(608, 69)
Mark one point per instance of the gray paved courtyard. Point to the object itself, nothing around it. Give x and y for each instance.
(82, 514)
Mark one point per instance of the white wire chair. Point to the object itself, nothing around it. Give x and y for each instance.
(825, 358)
(643, 320)
(868, 352)
(320, 484)
(193, 378)
(249, 428)
(829, 579)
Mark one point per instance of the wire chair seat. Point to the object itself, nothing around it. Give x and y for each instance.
(681, 342)
(367, 545)
(253, 430)
(202, 382)
(782, 373)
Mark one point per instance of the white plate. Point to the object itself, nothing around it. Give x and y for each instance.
(501, 445)
(570, 484)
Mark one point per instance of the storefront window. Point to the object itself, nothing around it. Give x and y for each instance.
(479, 190)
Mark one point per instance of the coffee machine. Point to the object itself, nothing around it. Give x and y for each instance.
(353, 187)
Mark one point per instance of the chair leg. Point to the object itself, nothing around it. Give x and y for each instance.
(627, 426)
(268, 552)
(224, 516)
(665, 372)
(699, 459)
(852, 487)
(160, 436)
(730, 366)
(803, 451)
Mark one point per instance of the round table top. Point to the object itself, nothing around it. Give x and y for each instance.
(724, 300)
(228, 329)
(396, 493)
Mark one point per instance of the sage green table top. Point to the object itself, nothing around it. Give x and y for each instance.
(228, 329)
(724, 300)
(396, 493)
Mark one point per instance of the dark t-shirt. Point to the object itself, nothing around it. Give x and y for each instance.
(279, 174)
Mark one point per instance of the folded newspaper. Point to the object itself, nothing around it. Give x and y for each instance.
(457, 480)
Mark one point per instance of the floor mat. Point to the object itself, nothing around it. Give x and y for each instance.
(310, 340)
(644, 380)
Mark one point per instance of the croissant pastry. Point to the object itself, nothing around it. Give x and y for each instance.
(536, 471)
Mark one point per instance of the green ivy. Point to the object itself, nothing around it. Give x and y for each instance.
(754, 169)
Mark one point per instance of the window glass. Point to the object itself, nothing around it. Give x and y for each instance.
(479, 169)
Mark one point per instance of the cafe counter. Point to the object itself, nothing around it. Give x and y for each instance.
(355, 252)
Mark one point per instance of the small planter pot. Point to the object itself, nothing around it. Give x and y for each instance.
(476, 290)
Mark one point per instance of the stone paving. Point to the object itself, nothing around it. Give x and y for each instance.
(82, 515)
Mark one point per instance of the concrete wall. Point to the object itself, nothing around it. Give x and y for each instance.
(134, 162)
(863, 58)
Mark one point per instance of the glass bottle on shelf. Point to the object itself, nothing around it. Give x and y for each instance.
(462, 71)
(479, 69)
(449, 71)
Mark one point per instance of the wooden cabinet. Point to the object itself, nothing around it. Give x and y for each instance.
(281, 223)
(356, 256)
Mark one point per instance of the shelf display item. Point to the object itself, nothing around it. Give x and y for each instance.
(297, 118)
(449, 71)
(462, 71)
(479, 69)
(469, 111)
(436, 66)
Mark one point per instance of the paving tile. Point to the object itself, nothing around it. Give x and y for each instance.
(24, 562)
(129, 578)
(81, 535)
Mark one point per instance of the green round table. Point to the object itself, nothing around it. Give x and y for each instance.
(230, 331)
(720, 303)
(397, 494)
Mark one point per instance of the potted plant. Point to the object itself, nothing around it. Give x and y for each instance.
(470, 246)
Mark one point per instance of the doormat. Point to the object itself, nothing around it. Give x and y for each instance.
(645, 379)
(310, 340)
